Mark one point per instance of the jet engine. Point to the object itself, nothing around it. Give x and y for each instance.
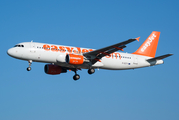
(74, 59)
(54, 69)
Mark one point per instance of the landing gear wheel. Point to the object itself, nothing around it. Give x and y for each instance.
(76, 77)
(30, 62)
(91, 71)
(29, 68)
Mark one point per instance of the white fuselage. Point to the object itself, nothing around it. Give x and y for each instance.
(37, 52)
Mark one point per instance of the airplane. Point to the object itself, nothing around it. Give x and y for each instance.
(60, 58)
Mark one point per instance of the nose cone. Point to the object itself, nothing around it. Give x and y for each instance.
(11, 52)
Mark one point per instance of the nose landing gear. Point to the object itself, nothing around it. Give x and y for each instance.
(29, 68)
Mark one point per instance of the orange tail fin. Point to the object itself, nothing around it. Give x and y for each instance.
(149, 47)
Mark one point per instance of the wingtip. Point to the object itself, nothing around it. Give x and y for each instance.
(138, 38)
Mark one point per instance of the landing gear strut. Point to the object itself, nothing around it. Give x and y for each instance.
(29, 68)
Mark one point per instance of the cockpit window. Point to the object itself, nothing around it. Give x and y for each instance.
(19, 46)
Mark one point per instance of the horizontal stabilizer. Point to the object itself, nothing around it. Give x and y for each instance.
(159, 58)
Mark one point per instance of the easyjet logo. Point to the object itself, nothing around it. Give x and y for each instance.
(63, 49)
(149, 42)
(75, 50)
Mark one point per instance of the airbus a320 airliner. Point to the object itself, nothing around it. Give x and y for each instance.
(61, 58)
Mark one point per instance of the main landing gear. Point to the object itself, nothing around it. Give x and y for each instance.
(77, 77)
(91, 71)
(29, 68)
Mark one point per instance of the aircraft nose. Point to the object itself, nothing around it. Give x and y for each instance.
(10, 52)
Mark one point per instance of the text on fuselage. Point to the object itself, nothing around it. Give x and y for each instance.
(75, 50)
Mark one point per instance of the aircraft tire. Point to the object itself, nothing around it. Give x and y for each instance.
(91, 71)
(76, 77)
(29, 68)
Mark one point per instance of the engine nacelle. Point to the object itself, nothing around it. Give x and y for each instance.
(54, 69)
(74, 59)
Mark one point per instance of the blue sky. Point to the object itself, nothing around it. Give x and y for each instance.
(142, 94)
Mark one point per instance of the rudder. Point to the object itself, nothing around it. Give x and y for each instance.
(149, 47)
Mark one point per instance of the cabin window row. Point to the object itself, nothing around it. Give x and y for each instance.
(56, 49)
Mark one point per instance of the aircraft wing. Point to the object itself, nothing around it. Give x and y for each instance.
(96, 55)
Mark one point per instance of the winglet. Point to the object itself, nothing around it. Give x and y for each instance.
(137, 38)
